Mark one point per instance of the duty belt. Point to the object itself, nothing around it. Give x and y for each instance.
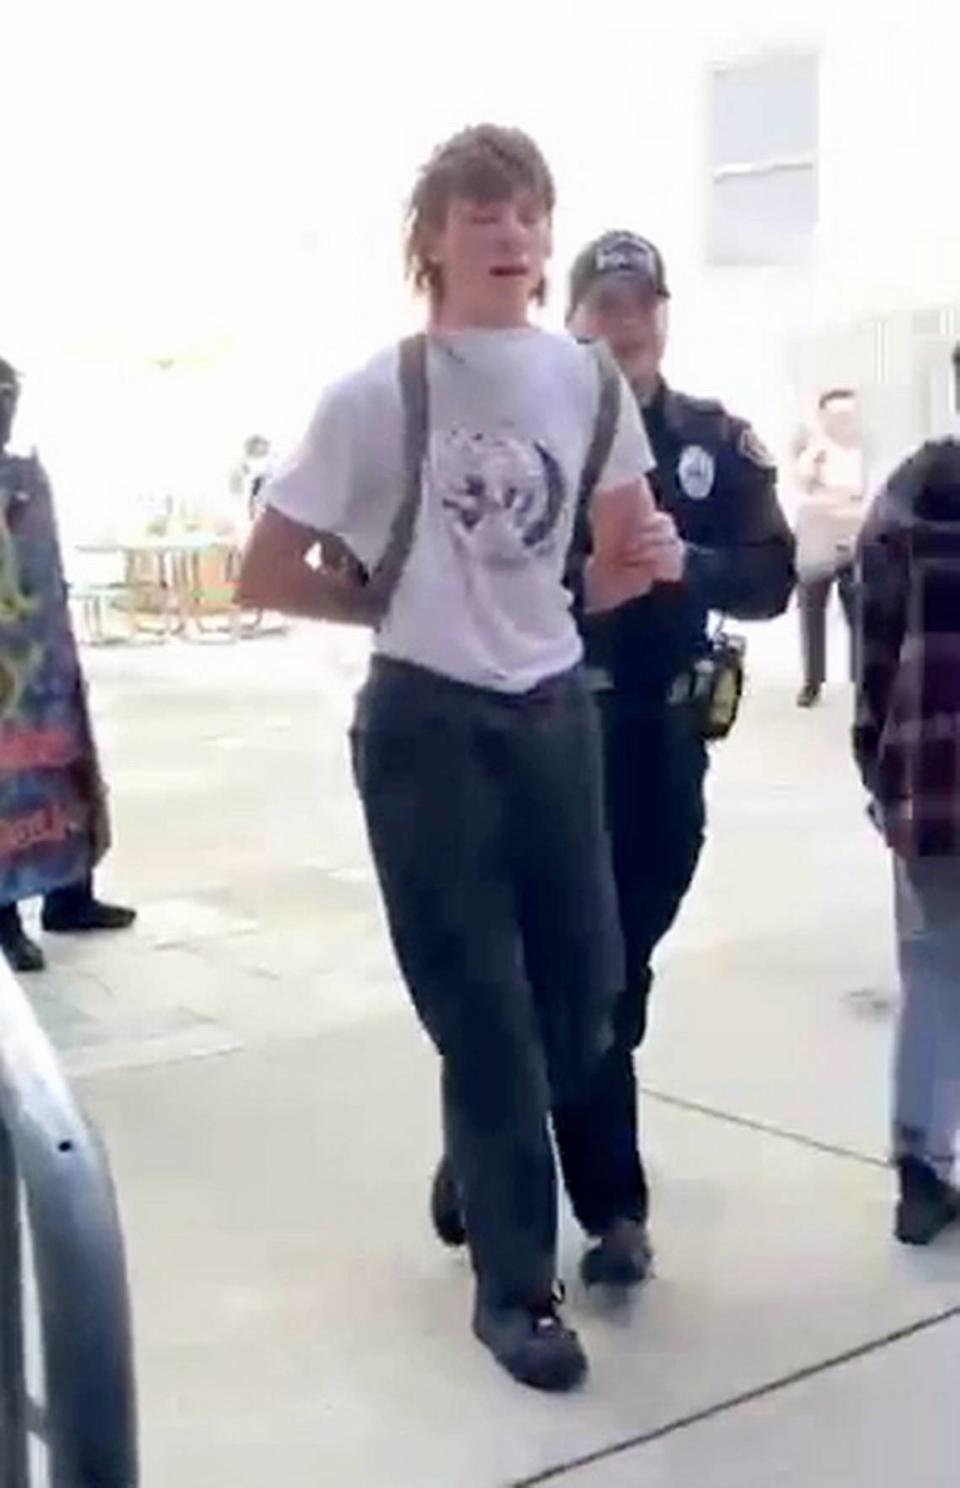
(687, 688)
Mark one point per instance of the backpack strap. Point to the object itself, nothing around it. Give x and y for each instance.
(415, 397)
(414, 390)
(608, 417)
(601, 443)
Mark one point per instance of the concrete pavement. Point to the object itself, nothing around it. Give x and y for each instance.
(270, 1107)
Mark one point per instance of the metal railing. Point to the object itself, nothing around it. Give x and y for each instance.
(55, 1184)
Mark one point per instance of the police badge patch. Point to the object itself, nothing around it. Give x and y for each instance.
(696, 472)
(754, 449)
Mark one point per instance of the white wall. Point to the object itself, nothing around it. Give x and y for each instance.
(889, 234)
(227, 186)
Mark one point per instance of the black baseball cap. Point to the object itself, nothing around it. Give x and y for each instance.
(618, 253)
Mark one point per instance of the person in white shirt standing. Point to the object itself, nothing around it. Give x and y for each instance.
(475, 742)
(831, 475)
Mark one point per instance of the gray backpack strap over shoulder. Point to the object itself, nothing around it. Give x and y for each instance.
(414, 388)
(601, 443)
(414, 391)
(608, 417)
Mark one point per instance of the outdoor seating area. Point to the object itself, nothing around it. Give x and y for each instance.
(160, 588)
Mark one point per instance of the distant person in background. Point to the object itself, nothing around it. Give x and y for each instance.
(252, 473)
(53, 818)
(831, 474)
(907, 744)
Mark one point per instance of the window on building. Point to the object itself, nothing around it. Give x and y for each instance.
(764, 129)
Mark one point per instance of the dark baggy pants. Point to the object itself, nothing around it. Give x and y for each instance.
(655, 766)
(485, 818)
(813, 597)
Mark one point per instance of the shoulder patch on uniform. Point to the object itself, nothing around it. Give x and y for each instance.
(696, 472)
(700, 405)
(752, 448)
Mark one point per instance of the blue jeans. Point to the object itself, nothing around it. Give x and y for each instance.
(926, 1114)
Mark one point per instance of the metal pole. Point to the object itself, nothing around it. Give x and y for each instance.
(13, 1388)
(51, 1153)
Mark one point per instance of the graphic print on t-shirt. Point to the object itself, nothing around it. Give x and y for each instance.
(502, 495)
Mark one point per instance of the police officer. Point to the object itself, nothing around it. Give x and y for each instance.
(718, 483)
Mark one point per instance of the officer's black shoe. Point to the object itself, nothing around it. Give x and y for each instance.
(445, 1208)
(85, 916)
(533, 1344)
(927, 1204)
(20, 952)
(809, 697)
(622, 1258)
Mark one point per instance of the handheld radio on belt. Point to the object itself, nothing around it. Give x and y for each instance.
(714, 686)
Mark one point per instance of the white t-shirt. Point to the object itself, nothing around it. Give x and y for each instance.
(832, 505)
(512, 414)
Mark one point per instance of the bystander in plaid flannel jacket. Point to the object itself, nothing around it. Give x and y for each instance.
(907, 729)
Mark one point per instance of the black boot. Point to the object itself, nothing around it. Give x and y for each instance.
(20, 952)
(533, 1343)
(927, 1204)
(75, 910)
(809, 696)
(622, 1258)
(445, 1210)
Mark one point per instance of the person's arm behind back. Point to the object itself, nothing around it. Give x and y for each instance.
(333, 501)
(276, 573)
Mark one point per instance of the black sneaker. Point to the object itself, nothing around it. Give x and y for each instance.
(808, 697)
(927, 1204)
(21, 953)
(622, 1258)
(445, 1210)
(90, 915)
(533, 1344)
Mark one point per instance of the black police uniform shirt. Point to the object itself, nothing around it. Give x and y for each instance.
(719, 483)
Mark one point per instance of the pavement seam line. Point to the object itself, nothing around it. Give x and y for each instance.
(765, 1128)
(745, 1397)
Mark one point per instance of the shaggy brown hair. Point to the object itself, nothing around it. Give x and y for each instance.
(483, 164)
